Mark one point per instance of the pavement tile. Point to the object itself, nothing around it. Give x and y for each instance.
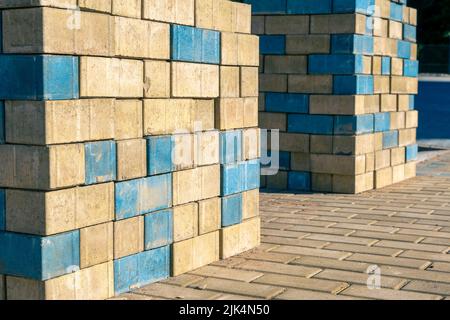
(390, 261)
(359, 278)
(387, 294)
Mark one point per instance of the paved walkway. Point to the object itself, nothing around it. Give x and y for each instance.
(321, 247)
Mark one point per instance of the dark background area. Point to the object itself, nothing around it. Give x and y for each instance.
(433, 35)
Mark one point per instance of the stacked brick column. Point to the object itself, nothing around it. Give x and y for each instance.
(129, 143)
(338, 79)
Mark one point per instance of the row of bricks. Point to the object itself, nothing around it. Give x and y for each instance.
(65, 77)
(375, 160)
(103, 35)
(107, 279)
(335, 105)
(47, 213)
(69, 121)
(395, 10)
(300, 25)
(105, 161)
(338, 125)
(114, 240)
(329, 144)
(345, 163)
(59, 166)
(338, 64)
(221, 15)
(351, 184)
(338, 84)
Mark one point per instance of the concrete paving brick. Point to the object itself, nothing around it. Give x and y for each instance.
(295, 242)
(390, 261)
(295, 294)
(175, 293)
(359, 278)
(385, 236)
(302, 283)
(128, 237)
(236, 287)
(428, 287)
(363, 249)
(311, 252)
(272, 267)
(327, 263)
(131, 159)
(412, 246)
(96, 245)
(387, 294)
(226, 273)
(182, 280)
(269, 256)
(341, 239)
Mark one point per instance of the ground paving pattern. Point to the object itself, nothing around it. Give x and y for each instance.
(317, 246)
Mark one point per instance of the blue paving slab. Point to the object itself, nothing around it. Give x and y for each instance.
(232, 180)
(396, 12)
(411, 68)
(158, 229)
(390, 139)
(232, 210)
(309, 7)
(351, 6)
(127, 199)
(39, 77)
(412, 152)
(335, 64)
(39, 258)
(354, 125)
(100, 162)
(195, 45)
(2, 122)
(274, 45)
(251, 174)
(409, 32)
(404, 49)
(141, 269)
(357, 84)
(2, 209)
(159, 155)
(382, 121)
(267, 6)
(352, 44)
(231, 146)
(299, 181)
(311, 124)
(287, 102)
(386, 66)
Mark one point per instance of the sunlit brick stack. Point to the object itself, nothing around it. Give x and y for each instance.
(129, 143)
(338, 79)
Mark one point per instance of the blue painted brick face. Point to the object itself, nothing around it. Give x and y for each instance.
(312, 124)
(2, 122)
(284, 160)
(386, 66)
(39, 258)
(287, 102)
(299, 181)
(158, 229)
(404, 49)
(100, 159)
(396, 11)
(409, 32)
(351, 44)
(159, 155)
(309, 6)
(335, 64)
(267, 6)
(351, 125)
(359, 84)
(390, 139)
(2, 209)
(382, 121)
(231, 210)
(274, 45)
(231, 179)
(412, 152)
(411, 68)
(230, 146)
(251, 174)
(127, 199)
(195, 45)
(39, 77)
(351, 6)
(141, 269)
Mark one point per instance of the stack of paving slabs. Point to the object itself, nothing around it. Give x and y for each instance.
(338, 79)
(129, 143)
